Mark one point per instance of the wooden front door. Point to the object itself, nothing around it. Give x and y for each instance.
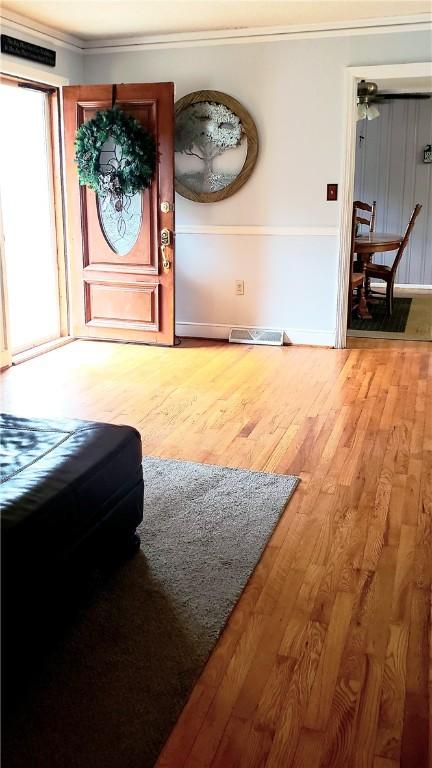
(120, 287)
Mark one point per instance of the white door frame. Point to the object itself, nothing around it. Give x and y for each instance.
(352, 77)
(5, 349)
(9, 66)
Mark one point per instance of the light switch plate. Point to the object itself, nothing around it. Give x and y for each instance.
(332, 191)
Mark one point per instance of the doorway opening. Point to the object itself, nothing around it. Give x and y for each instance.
(387, 169)
(31, 220)
(393, 174)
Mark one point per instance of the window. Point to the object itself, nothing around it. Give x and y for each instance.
(28, 214)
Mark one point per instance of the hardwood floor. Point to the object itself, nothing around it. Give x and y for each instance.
(326, 659)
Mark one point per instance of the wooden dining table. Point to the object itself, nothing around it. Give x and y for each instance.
(364, 246)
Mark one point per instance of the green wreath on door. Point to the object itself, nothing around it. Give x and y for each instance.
(137, 149)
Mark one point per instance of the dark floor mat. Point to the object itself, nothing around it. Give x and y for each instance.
(394, 324)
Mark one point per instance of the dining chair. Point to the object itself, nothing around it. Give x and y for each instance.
(357, 276)
(388, 273)
(357, 286)
(360, 218)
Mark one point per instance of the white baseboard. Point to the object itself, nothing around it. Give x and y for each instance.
(405, 286)
(390, 335)
(222, 331)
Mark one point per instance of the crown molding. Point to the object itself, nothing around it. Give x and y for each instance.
(419, 22)
(41, 31)
(413, 23)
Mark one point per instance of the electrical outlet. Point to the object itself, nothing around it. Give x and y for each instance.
(239, 287)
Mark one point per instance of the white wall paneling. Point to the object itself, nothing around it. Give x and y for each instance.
(390, 170)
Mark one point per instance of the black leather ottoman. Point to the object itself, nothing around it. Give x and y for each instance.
(71, 496)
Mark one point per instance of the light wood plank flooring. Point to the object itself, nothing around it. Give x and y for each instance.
(326, 658)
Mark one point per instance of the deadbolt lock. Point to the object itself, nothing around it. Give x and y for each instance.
(166, 207)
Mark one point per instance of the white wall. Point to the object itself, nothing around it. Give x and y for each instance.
(294, 91)
(277, 233)
(390, 170)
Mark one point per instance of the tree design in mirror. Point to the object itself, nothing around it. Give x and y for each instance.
(216, 146)
(120, 216)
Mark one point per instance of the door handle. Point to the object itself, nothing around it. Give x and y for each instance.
(165, 237)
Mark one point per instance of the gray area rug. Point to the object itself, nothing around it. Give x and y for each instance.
(109, 693)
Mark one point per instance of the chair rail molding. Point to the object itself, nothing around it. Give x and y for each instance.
(352, 76)
(255, 230)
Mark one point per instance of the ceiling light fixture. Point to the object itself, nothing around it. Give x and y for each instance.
(361, 111)
(365, 93)
(367, 110)
(368, 96)
(372, 111)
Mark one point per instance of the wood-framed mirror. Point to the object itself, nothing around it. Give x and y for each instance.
(216, 146)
